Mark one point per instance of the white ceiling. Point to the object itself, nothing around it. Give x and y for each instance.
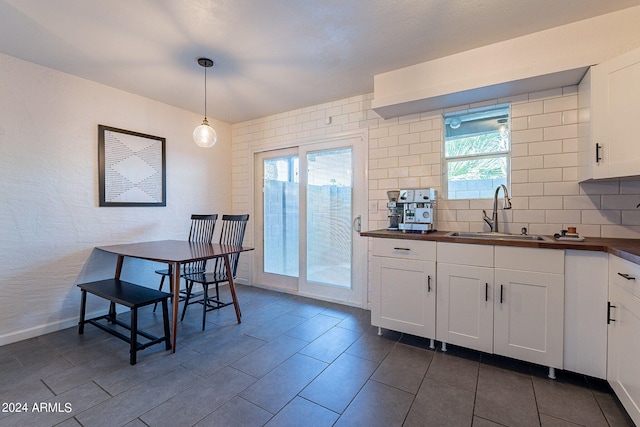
(270, 55)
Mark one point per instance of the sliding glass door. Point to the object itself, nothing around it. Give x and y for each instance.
(310, 197)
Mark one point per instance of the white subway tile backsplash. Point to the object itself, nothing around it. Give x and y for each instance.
(545, 175)
(410, 182)
(545, 202)
(405, 152)
(570, 145)
(400, 150)
(528, 163)
(582, 202)
(399, 172)
(563, 216)
(420, 148)
(531, 216)
(626, 232)
(562, 103)
(388, 141)
(561, 188)
(519, 176)
(529, 189)
(601, 217)
(545, 120)
(526, 109)
(619, 202)
(519, 123)
(388, 162)
(407, 160)
(560, 160)
(524, 136)
(569, 117)
(561, 132)
(417, 127)
(410, 138)
(545, 147)
(631, 217)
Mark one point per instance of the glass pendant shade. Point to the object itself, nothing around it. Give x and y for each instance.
(204, 135)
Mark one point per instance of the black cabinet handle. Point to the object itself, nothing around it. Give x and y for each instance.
(609, 307)
(598, 147)
(428, 283)
(626, 276)
(486, 291)
(501, 286)
(401, 249)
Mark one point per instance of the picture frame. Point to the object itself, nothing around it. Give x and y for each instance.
(131, 168)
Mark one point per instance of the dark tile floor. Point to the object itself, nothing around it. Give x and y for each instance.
(292, 362)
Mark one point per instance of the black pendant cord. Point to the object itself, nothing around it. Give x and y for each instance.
(205, 93)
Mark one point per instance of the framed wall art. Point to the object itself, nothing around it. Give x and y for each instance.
(132, 168)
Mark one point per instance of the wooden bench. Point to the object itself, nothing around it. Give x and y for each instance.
(132, 296)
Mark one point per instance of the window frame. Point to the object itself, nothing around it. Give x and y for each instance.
(506, 154)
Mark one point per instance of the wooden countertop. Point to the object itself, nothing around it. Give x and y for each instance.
(628, 249)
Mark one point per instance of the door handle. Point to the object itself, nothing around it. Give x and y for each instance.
(501, 286)
(357, 223)
(428, 283)
(486, 291)
(609, 307)
(626, 276)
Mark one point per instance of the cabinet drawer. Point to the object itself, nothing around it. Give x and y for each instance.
(407, 249)
(465, 254)
(624, 274)
(530, 259)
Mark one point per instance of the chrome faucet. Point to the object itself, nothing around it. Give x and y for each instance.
(493, 222)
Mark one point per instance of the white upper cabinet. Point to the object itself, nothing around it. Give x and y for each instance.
(609, 110)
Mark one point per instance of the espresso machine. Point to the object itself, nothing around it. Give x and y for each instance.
(411, 210)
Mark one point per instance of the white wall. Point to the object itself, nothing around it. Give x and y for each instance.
(50, 221)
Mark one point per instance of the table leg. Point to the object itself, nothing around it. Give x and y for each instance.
(175, 290)
(232, 287)
(119, 266)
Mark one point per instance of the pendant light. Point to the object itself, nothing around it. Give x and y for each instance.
(204, 135)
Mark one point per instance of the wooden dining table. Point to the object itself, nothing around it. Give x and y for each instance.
(175, 253)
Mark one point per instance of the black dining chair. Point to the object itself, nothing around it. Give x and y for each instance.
(233, 228)
(201, 231)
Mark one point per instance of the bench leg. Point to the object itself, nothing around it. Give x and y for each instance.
(112, 311)
(83, 308)
(167, 329)
(134, 336)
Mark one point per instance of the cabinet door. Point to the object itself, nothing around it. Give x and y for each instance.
(614, 113)
(623, 373)
(528, 316)
(465, 306)
(405, 295)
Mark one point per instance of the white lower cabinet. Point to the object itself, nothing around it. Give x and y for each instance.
(623, 373)
(529, 316)
(403, 279)
(503, 300)
(465, 295)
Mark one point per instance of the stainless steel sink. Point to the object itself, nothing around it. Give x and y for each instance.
(499, 236)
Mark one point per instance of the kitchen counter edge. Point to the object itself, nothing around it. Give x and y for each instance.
(628, 249)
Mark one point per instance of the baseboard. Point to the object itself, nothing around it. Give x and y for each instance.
(48, 328)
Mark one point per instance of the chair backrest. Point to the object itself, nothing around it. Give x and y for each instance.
(202, 227)
(233, 228)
